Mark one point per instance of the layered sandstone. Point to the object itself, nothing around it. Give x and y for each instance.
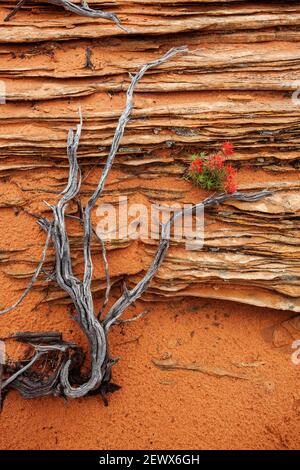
(235, 83)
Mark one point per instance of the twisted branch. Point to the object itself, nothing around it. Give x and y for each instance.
(67, 378)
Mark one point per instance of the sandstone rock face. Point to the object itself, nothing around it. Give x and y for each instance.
(238, 82)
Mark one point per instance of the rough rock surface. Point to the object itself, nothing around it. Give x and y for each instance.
(236, 83)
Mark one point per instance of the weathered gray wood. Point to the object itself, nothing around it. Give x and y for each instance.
(83, 10)
(67, 379)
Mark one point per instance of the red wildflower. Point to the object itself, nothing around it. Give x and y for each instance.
(230, 185)
(215, 162)
(230, 170)
(227, 149)
(211, 171)
(197, 165)
(211, 164)
(219, 162)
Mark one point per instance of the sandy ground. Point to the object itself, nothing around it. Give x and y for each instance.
(178, 409)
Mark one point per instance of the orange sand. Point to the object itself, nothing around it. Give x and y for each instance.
(158, 409)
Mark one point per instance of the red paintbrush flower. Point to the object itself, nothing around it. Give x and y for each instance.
(219, 162)
(196, 165)
(231, 171)
(227, 149)
(230, 185)
(211, 172)
(210, 163)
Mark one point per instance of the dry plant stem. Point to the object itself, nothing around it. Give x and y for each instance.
(15, 10)
(83, 10)
(107, 275)
(13, 377)
(130, 320)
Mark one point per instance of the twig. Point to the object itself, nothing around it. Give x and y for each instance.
(15, 10)
(129, 320)
(108, 283)
(83, 10)
(209, 370)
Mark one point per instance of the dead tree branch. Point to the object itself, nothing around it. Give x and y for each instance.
(83, 10)
(66, 378)
(80, 290)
